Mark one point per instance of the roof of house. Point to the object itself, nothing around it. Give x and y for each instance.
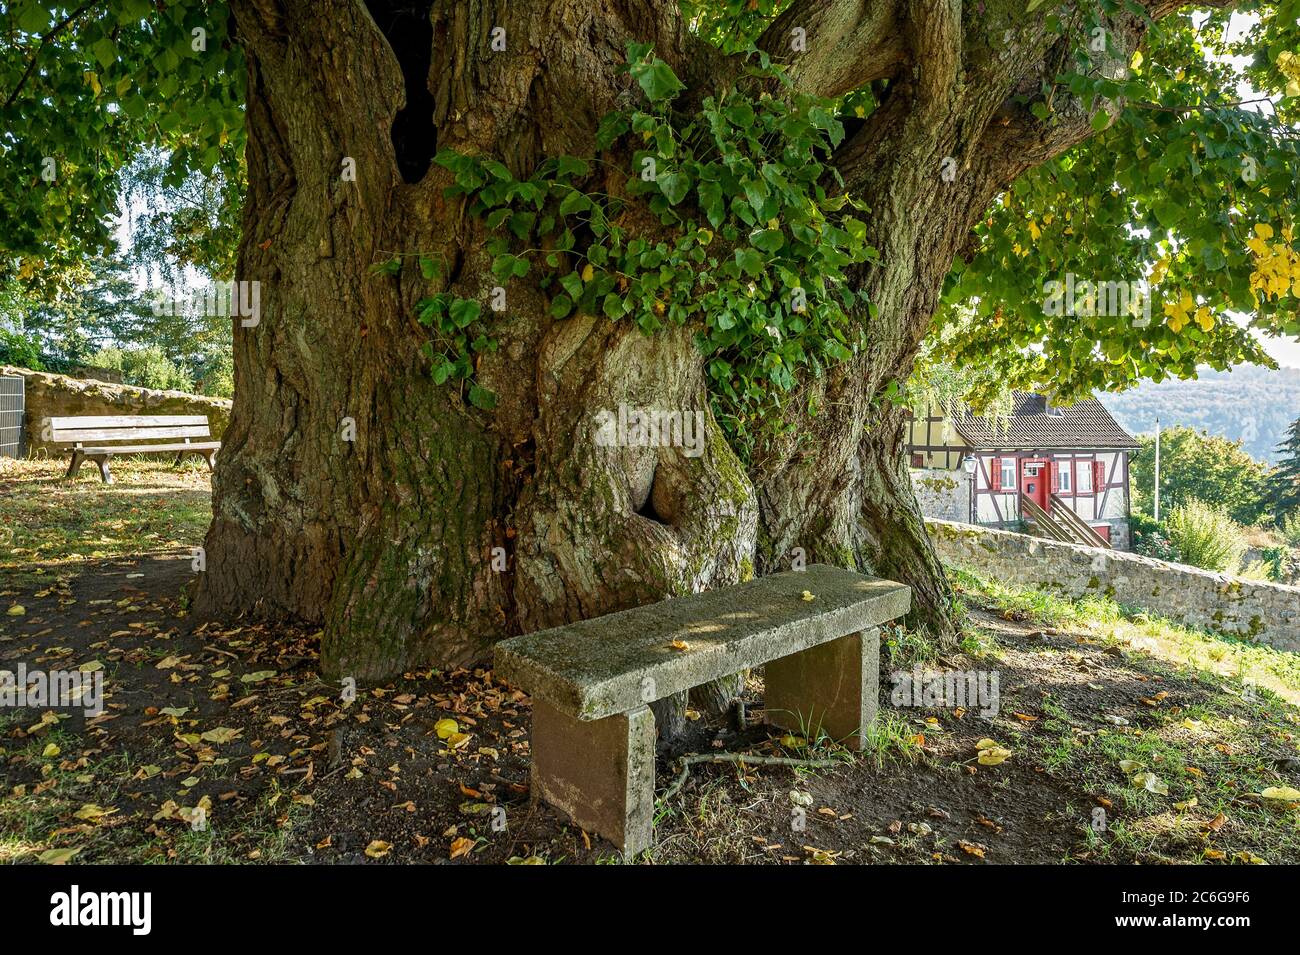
(1031, 427)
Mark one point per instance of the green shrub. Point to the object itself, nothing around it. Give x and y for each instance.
(143, 367)
(20, 351)
(1151, 538)
(1205, 536)
(1290, 528)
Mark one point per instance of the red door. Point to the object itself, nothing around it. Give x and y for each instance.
(1034, 480)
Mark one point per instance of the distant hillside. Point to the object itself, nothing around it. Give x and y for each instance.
(1251, 404)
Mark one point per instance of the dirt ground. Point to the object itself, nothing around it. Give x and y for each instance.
(233, 720)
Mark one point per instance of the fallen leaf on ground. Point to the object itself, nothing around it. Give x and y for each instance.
(57, 856)
(1151, 783)
(991, 753)
(1281, 794)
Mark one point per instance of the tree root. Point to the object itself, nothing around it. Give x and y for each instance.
(688, 761)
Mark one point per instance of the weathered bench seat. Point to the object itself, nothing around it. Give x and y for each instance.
(592, 681)
(90, 436)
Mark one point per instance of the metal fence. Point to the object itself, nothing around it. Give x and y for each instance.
(11, 416)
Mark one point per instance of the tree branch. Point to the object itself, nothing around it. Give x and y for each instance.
(935, 37)
(834, 46)
(45, 41)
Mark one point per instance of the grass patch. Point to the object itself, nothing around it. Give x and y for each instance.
(1256, 665)
(49, 526)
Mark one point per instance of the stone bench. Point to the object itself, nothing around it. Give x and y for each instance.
(593, 741)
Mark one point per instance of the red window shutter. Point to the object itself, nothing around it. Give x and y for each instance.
(1098, 476)
(1055, 470)
(995, 477)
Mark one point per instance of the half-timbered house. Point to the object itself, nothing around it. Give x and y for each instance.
(1057, 472)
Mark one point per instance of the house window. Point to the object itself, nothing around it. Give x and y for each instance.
(1008, 476)
(1085, 476)
(1063, 478)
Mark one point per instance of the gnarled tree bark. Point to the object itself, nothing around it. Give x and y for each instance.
(355, 493)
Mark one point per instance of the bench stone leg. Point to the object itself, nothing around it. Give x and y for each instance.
(832, 687)
(601, 773)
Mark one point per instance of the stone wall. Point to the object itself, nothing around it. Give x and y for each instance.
(52, 396)
(942, 494)
(1250, 609)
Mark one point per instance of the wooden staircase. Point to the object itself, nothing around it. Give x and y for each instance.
(1062, 524)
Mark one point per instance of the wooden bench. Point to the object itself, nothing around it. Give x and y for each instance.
(593, 740)
(90, 436)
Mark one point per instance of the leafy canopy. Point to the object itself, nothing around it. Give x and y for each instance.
(1190, 190)
(1190, 197)
(85, 88)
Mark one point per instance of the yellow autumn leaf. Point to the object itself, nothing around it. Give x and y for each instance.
(807, 596)
(1179, 313)
(90, 812)
(460, 847)
(57, 856)
(1204, 318)
(377, 849)
(51, 750)
(446, 728)
(1281, 794)
(222, 734)
(588, 273)
(1151, 783)
(680, 645)
(17, 610)
(991, 753)
(1034, 232)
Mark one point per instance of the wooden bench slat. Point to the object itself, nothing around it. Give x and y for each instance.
(65, 435)
(142, 448)
(125, 421)
(599, 667)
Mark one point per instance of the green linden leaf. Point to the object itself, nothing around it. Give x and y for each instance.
(657, 79)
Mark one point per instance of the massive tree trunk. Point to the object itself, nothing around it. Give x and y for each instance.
(354, 492)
